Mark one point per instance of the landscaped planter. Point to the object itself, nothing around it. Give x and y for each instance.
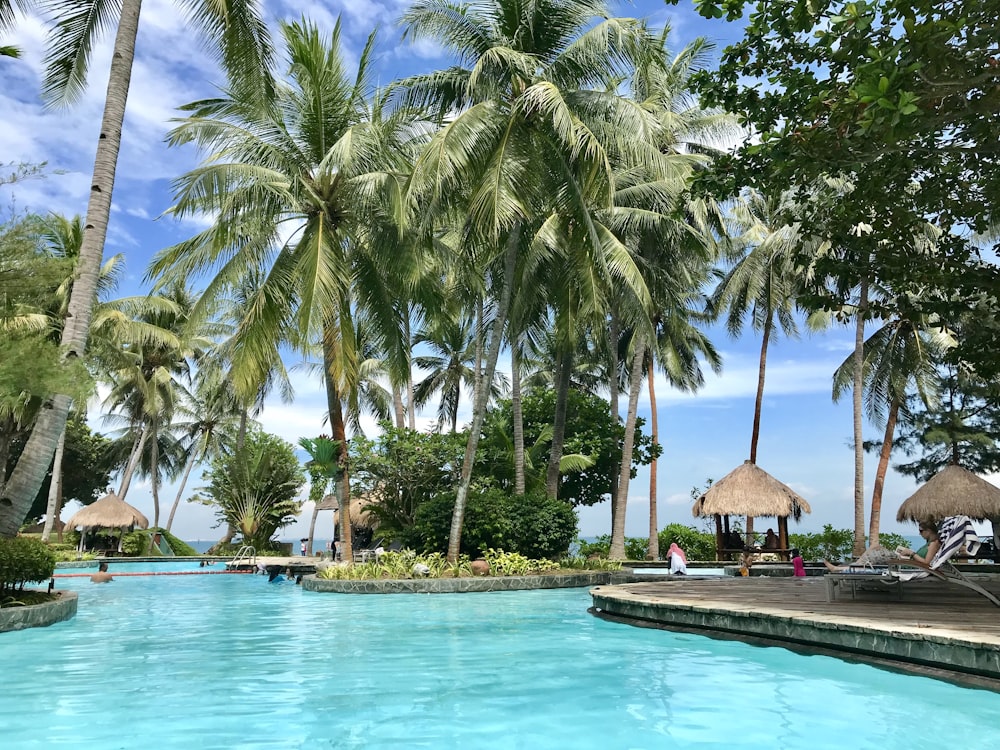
(39, 615)
(469, 585)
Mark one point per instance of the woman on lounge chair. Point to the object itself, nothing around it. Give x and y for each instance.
(879, 555)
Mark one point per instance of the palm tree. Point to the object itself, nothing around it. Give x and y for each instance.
(899, 357)
(236, 30)
(528, 156)
(450, 366)
(213, 419)
(675, 246)
(304, 191)
(762, 284)
(323, 467)
(153, 346)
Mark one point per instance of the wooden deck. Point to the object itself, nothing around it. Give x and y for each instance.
(930, 627)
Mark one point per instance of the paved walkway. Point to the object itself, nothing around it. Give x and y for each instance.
(933, 628)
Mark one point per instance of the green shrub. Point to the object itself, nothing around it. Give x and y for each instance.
(697, 545)
(486, 523)
(832, 544)
(597, 548)
(24, 560)
(541, 527)
(636, 547)
(135, 543)
(514, 564)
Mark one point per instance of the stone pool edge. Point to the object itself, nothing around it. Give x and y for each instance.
(953, 659)
(39, 615)
(473, 585)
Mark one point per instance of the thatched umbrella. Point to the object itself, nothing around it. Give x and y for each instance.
(110, 512)
(360, 518)
(952, 491)
(359, 515)
(748, 490)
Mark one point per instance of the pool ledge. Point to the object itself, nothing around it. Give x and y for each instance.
(470, 585)
(39, 615)
(957, 640)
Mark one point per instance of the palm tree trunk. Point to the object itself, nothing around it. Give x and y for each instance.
(180, 490)
(133, 462)
(653, 551)
(617, 549)
(477, 380)
(397, 407)
(517, 417)
(339, 430)
(859, 448)
(758, 403)
(614, 331)
(312, 527)
(479, 405)
(54, 506)
(29, 473)
(411, 409)
(880, 472)
(155, 469)
(6, 438)
(564, 371)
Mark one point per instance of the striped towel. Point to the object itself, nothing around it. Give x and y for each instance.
(958, 537)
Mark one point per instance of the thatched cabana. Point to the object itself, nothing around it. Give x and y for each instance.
(952, 491)
(110, 512)
(748, 490)
(359, 516)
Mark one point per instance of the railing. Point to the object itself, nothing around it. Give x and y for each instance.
(246, 553)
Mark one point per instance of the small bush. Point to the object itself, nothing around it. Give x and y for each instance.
(697, 545)
(24, 560)
(486, 523)
(541, 527)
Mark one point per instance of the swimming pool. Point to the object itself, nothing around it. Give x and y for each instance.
(230, 661)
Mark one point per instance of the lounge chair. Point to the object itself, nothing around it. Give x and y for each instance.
(958, 538)
(372, 552)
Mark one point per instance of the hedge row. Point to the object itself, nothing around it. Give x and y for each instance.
(24, 560)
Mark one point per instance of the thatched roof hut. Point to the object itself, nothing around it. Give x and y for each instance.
(748, 490)
(109, 512)
(952, 491)
(359, 516)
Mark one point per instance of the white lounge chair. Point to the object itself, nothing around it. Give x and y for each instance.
(958, 538)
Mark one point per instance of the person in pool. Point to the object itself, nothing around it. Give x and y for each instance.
(878, 555)
(102, 575)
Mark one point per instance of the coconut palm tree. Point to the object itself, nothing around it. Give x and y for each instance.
(527, 154)
(305, 192)
(762, 283)
(235, 29)
(899, 358)
(213, 417)
(450, 366)
(323, 467)
(145, 371)
(674, 248)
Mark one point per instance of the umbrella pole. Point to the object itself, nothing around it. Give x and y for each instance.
(783, 535)
(719, 544)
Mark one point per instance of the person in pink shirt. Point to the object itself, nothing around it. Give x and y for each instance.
(678, 560)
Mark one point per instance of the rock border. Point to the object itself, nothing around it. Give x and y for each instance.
(473, 585)
(39, 615)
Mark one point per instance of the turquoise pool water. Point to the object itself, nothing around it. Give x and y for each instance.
(230, 661)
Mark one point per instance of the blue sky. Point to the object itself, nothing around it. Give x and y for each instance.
(805, 437)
